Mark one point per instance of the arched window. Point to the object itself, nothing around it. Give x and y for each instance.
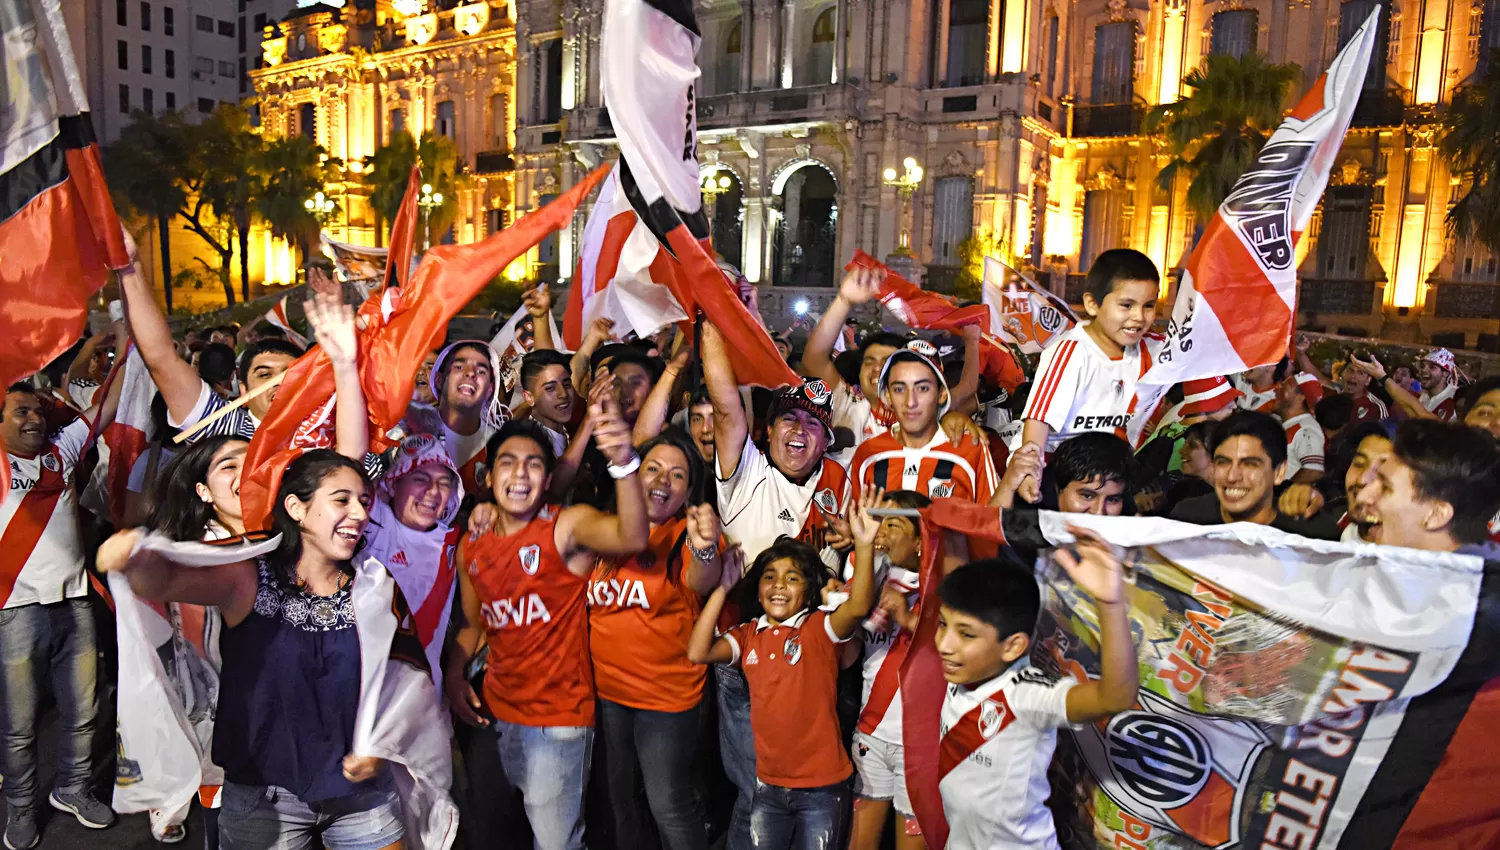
(446, 124)
(307, 121)
(819, 66)
(1233, 33)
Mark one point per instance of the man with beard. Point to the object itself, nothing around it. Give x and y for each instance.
(1249, 462)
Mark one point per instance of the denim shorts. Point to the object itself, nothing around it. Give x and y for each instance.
(266, 817)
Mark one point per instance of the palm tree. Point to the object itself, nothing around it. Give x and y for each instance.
(228, 150)
(294, 169)
(390, 166)
(144, 167)
(1215, 132)
(1470, 142)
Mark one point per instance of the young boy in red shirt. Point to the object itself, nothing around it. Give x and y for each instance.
(790, 656)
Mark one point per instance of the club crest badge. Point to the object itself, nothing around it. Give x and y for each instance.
(531, 557)
(816, 392)
(50, 462)
(993, 716)
(792, 649)
(827, 502)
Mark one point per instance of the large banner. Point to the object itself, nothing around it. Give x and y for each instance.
(1238, 294)
(1293, 693)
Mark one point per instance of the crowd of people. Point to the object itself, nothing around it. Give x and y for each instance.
(664, 609)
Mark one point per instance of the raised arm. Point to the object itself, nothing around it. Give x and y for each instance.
(968, 380)
(1092, 565)
(465, 638)
(731, 426)
(538, 303)
(626, 531)
(862, 591)
(102, 414)
(1399, 394)
(704, 645)
(332, 324)
(231, 587)
(78, 370)
(599, 331)
(658, 406)
(859, 286)
(174, 377)
(706, 564)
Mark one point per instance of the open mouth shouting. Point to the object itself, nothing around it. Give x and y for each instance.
(659, 496)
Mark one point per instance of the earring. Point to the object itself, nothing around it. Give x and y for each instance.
(207, 498)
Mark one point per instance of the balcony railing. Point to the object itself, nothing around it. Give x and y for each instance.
(777, 106)
(1379, 109)
(494, 162)
(1468, 300)
(1124, 119)
(1353, 297)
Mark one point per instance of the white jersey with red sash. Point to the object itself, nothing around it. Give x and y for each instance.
(41, 559)
(886, 645)
(466, 450)
(997, 740)
(423, 565)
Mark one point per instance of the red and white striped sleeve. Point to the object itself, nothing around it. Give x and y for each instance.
(1306, 448)
(1056, 384)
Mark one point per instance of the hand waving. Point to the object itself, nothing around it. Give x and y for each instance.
(861, 285)
(1092, 565)
(537, 301)
(861, 524)
(332, 324)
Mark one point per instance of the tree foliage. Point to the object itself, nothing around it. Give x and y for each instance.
(1470, 142)
(1215, 132)
(390, 166)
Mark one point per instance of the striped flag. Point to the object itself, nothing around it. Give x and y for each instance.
(1237, 299)
(130, 432)
(277, 316)
(59, 235)
(513, 342)
(644, 260)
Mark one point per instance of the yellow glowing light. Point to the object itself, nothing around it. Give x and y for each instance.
(1156, 242)
(890, 174)
(1013, 44)
(1171, 59)
(516, 271)
(1430, 71)
(1409, 256)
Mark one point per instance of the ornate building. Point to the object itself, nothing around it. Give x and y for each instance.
(1024, 114)
(351, 78)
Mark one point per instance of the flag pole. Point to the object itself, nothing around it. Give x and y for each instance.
(228, 408)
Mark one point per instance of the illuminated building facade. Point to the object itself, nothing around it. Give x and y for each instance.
(352, 78)
(1025, 116)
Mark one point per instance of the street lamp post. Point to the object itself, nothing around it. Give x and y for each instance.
(901, 259)
(714, 185)
(321, 206)
(429, 201)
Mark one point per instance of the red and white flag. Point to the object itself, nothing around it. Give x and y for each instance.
(1022, 313)
(130, 432)
(645, 260)
(1237, 300)
(514, 341)
(277, 316)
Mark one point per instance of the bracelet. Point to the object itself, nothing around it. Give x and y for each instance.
(627, 468)
(704, 555)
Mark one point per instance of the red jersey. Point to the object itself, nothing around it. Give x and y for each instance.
(1368, 408)
(641, 616)
(536, 621)
(935, 470)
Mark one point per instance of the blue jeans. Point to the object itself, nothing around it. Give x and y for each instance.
(550, 766)
(657, 747)
(798, 818)
(737, 748)
(266, 817)
(55, 640)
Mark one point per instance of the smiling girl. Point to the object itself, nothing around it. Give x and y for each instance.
(291, 669)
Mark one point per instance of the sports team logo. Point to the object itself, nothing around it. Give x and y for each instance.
(992, 716)
(531, 557)
(1049, 318)
(827, 502)
(939, 488)
(418, 443)
(816, 392)
(792, 649)
(50, 462)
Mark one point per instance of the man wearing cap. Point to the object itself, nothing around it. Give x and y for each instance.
(789, 487)
(915, 454)
(1437, 373)
(469, 410)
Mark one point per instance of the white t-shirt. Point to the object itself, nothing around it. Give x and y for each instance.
(997, 740)
(1304, 444)
(853, 411)
(1263, 400)
(1078, 388)
(82, 392)
(41, 556)
(759, 504)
